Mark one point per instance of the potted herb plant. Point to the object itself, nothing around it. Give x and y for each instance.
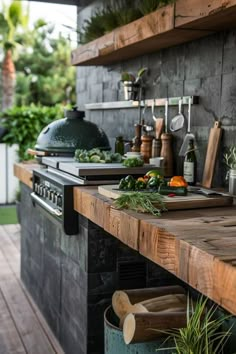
(133, 85)
(230, 161)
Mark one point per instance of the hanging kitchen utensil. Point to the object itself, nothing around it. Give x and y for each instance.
(189, 135)
(177, 122)
(159, 122)
(211, 155)
(166, 147)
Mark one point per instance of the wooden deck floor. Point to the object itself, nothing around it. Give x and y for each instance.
(22, 327)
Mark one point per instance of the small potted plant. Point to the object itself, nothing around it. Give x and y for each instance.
(230, 161)
(204, 332)
(133, 85)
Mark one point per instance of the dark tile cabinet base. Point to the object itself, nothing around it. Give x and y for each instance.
(72, 278)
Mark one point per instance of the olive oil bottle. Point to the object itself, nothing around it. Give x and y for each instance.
(190, 164)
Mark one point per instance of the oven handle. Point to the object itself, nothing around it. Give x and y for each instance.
(43, 204)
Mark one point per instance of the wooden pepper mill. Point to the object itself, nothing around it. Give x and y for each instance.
(137, 138)
(167, 153)
(146, 147)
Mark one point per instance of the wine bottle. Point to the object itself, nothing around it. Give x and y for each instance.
(190, 164)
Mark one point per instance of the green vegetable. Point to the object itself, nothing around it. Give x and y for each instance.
(130, 183)
(97, 156)
(154, 182)
(139, 185)
(133, 162)
(141, 202)
(122, 184)
(165, 190)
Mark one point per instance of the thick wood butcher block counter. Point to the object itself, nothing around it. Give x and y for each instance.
(198, 246)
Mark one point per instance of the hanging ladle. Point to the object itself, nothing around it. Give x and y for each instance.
(177, 122)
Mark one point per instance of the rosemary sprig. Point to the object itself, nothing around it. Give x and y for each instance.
(141, 202)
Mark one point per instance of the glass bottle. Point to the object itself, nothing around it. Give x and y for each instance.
(190, 164)
(119, 145)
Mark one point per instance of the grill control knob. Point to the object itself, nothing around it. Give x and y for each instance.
(59, 200)
(48, 193)
(44, 192)
(52, 195)
(41, 189)
(36, 187)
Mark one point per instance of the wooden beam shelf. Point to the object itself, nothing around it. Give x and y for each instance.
(178, 23)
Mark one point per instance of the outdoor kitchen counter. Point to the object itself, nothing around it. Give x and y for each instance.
(198, 246)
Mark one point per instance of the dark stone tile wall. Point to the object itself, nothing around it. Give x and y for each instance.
(204, 67)
(72, 278)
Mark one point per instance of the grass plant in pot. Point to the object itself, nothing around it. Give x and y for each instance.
(203, 333)
(230, 161)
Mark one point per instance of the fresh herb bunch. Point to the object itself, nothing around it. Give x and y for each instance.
(203, 333)
(141, 202)
(230, 158)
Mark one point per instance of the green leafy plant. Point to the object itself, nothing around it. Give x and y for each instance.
(25, 123)
(203, 333)
(116, 13)
(147, 6)
(230, 158)
(141, 202)
(125, 76)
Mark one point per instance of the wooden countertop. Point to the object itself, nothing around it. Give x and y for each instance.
(198, 246)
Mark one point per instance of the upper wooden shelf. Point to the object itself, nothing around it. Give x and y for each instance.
(174, 24)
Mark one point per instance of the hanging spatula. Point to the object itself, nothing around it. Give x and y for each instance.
(189, 135)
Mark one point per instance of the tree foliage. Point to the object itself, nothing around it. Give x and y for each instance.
(44, 72)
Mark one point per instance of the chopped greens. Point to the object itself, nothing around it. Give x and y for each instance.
(133, 162)
(97, 156)
(141, 202)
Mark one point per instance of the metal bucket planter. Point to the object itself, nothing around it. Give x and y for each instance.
(131, 90)
(114, 342)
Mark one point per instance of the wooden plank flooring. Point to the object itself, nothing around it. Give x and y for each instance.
(23, 329)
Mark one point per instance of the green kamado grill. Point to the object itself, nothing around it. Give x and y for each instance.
(63, 136)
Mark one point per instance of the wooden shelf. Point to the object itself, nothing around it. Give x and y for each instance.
(171, 25)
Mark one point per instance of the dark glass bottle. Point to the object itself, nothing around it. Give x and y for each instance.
(119, 145)
(190, 164)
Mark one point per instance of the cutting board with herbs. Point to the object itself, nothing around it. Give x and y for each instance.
(190, 201)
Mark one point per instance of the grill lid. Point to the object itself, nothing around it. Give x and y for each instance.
(70, 133)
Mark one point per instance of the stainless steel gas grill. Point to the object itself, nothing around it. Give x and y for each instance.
(53, 186)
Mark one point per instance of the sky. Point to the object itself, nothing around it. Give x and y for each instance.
(56, 14)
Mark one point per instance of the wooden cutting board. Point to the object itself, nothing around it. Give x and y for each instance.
(190, 201)
(211, 155)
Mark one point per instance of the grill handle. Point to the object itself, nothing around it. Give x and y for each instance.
(42, 203)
